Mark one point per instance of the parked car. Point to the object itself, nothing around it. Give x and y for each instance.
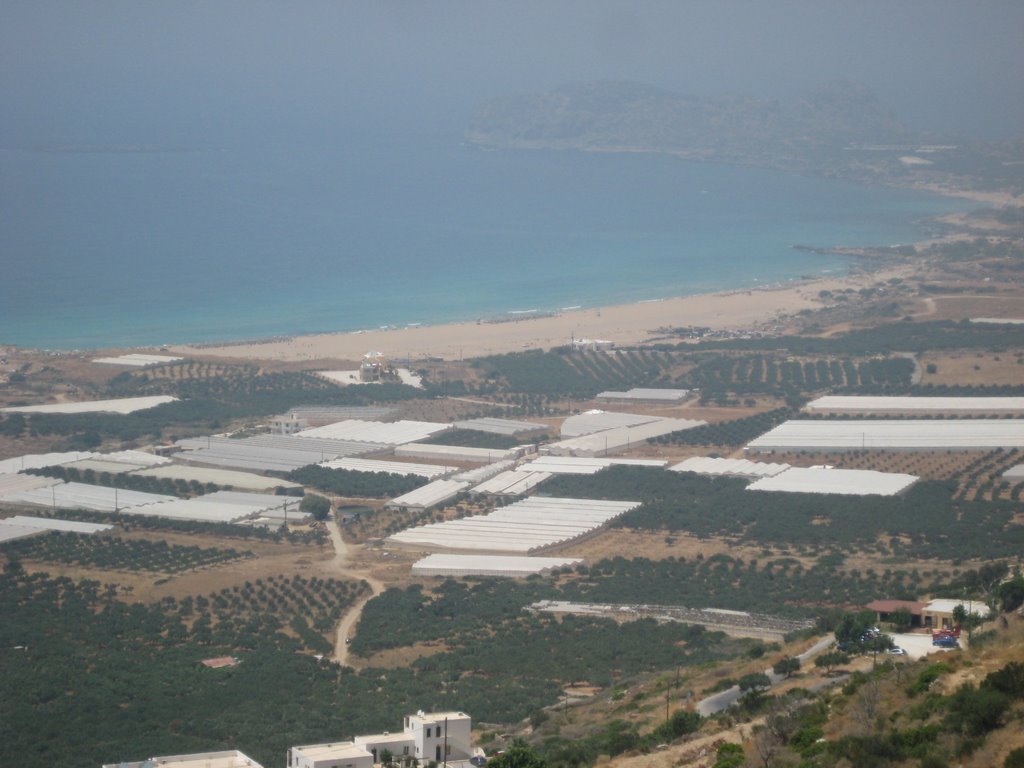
(897, 651)
(946, 642)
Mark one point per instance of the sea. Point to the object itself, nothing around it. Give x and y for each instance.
(129, 246)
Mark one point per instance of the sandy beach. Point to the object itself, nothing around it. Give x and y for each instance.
(622, 324)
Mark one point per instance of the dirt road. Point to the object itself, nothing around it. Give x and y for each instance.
(348, 622)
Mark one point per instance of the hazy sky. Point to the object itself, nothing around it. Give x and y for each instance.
(209, 72)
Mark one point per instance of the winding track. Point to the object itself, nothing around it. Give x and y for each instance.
(344, 629)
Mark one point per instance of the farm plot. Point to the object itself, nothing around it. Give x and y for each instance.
(219, 477)
(83, 496)
(530, 525)
(115, 554)
(122, 405)
(310, 607)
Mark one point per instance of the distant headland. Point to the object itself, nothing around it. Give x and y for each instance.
(839, 130)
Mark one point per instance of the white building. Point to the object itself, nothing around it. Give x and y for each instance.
(342, 754)
(425, 736)
(231, 758)
(288, 424)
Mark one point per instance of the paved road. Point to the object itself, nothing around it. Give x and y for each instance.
(725, 699)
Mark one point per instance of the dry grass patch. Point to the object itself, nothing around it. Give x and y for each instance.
(974, 368)
(654, 545)
(961, 306)
(397, 658)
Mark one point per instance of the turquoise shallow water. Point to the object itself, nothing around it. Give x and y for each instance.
(120, 249)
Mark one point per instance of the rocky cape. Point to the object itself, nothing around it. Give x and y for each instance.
(839, 129)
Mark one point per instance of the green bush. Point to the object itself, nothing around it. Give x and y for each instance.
(1015, 759)
(976, 711)
(317, 506)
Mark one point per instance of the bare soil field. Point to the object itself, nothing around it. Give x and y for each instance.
(962, 306)
(270, 558)
(626, 542)
(974, 368)
(397, 658)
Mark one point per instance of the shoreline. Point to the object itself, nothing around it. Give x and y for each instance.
(750, 310)
(627, 323)
(753, 309)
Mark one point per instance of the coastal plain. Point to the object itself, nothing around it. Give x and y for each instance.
(761, 310)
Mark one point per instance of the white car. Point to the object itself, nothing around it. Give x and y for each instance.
(897, 651)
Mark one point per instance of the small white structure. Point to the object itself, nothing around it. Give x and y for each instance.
(16, 483)
(1014, 474)
(582, 465)
(20, 526)
(489, 565)
(589, 422)
(225, 507)
(592, 345)
(282, 453)
(496, 426)
(230, 758)
(892, 435)
(53, 524)
(348, 378)
(873, 404)
(429, 495)
(39, 460)
(288, 424)
(138, 360)
(10, 532)
(528, 526)
(847, 482)
(458, 453)
(390, 433)
(121, 405)
(510, 483)
(647, 395)
(318, 415)
(617, 440)
(487, 471)
(374, 367)
(98, 498)
(706, 465)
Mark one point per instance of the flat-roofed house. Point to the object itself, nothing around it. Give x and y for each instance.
(341, 754)
(426, 736)
(231, 758)
(938, 614)
(884, 609)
